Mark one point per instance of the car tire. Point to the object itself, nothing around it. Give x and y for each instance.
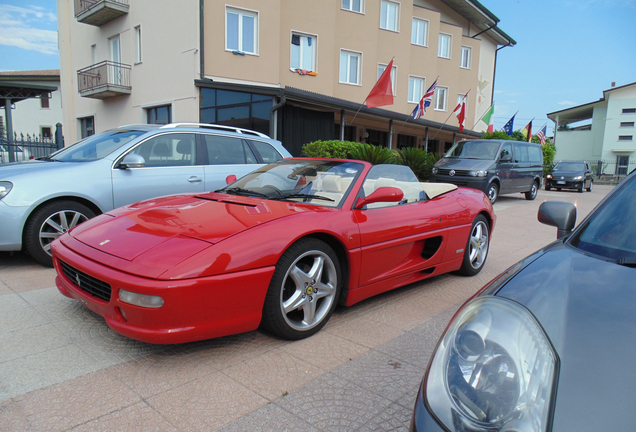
(580, 188)
(532, 193)
(493, 192)
(49, 222)
(558, 189)
(304, 290)
(547, 187)
(590, 188)
(477, 247)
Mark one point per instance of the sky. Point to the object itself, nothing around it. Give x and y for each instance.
(567, 51)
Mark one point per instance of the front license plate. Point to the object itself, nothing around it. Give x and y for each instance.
(560, 182)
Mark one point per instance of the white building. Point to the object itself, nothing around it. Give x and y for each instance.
(36, 117)
(608, 135)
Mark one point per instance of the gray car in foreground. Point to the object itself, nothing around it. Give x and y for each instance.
(550, 344)
(42, 199)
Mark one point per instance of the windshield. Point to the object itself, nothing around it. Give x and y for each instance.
(486, 150)
(323, 183)
(611, 231)
(569, 166)
(96, 146)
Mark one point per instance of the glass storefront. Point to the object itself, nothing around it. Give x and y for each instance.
(244, 110)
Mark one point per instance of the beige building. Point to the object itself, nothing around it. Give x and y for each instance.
(298, 70)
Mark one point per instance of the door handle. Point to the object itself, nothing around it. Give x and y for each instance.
(195, 179)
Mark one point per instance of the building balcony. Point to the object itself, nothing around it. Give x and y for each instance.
(104, 80)
(99, 12)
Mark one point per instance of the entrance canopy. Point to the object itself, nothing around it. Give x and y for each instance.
(16, 92)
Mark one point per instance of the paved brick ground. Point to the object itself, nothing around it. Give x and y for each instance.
(62, 368)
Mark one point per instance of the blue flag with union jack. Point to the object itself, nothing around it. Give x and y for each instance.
(425, 102)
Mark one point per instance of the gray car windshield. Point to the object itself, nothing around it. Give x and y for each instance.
(611, 230)
(486, 150)
(316, 182)
(96, 146)
(569, 166)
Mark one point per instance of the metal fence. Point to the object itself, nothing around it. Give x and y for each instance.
(25, 147)
(82, 5)
(103, 74)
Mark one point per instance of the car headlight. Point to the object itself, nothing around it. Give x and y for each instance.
(578, 178)
(143, 300)
(435, 170)
(480, 173)
(549, 176)
(494, 369)
(5, 188)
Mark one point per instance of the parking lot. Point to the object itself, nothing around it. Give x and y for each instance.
(62, 368)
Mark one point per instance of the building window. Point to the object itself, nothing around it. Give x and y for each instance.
(238, 109)
(87, 125)
(460, 97)
(353, 5)
(467, 53)
(627, 124)
(138, 44)
(159, 114)
(303, 52)
(444, 48)
(45, 132)
(416, 89)
(389, 15)
(44, 101)
(350, 67)
(241, 31)
(629, 110)
(382, 68)
(625, 137)
(440, 98)
(419, 32)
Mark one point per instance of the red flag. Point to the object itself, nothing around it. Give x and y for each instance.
(382, 92)
(460, 112)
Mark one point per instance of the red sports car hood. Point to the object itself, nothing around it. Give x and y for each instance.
(137, 229)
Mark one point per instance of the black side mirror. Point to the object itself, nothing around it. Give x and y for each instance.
(506, 158)
(559, 214)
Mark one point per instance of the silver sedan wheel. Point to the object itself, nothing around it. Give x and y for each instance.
(478, 245)
(57, 224)
(309, 290)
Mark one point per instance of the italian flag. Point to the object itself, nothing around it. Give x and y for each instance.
(488, 119)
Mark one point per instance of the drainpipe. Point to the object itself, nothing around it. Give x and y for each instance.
(273, 124)
(494, 71)
(391, 134)
(342, 124)
(201, 57)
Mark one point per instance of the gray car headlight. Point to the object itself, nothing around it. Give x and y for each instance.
(480, 173)
(494, 369)
(435, 170)
(578, 178)
(5, 188)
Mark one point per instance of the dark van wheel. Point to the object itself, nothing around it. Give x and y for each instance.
(303, 291)
(493, 192)
(532, 193)
(48, 223)
(477, 246)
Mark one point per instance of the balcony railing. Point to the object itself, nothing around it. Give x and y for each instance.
(99, 12)
(104, 80)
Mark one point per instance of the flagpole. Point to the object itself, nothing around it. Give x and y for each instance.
(407, 119)
(449, 116)
(482, 116)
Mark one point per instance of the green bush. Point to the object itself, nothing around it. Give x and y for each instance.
(372, 154)
(333, 149)
(420, 161)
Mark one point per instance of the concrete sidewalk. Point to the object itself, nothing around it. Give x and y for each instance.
(62, 368)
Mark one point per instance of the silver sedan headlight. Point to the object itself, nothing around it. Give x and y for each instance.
(435, 170)
(5, 188)
(494, 369)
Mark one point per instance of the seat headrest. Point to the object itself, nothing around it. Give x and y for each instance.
(162, 150)
(184, 146)
(332, 183)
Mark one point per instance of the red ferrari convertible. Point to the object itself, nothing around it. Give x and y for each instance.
(280, 247)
